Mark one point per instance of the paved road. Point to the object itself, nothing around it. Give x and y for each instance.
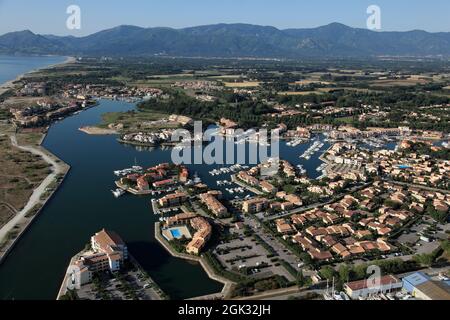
(418, 186)
(298, 295)
(38, 192)
(282, 294)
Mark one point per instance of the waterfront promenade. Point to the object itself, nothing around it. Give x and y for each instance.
(153, 292)
(246, 186)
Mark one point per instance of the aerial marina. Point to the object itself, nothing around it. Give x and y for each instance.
(315, 147)
(257, 177)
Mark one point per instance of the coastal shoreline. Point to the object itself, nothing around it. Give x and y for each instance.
(8, 85)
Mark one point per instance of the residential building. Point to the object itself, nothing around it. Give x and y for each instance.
(364, 288)
(202, 235)
(255, 205)
(214, 205)
(108, 253)
(267, 187)
(173, 199)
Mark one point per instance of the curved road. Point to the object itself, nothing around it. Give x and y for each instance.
(38, 192)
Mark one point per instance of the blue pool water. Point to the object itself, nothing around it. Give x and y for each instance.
(175, 233)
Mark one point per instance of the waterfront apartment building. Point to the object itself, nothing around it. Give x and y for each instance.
(180, 218)
(111, 245)
(108, 253)
(163, 183)
(248, 179)
(255, 205)
(214, 205)
(268, 187)
(142, 184)
(202, 235)
(173, 199)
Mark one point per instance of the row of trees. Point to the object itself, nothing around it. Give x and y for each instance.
(246, 113)
(346, 273)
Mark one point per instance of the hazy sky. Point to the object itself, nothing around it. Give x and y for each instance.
(49, 16)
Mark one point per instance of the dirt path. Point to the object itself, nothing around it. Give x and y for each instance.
(38, 192)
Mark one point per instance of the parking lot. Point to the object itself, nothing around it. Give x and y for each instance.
(129, 286)
(246, 253)
(433, 232)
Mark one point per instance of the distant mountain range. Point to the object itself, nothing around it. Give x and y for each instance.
(233, 40)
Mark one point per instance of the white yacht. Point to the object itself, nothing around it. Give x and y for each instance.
(118, 192)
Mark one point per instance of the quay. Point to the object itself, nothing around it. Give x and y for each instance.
(133, 191)
(245, 186)
(156, 292)
(228, 285)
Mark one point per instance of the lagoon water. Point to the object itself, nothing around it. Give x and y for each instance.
(84, 204)
(11, 67)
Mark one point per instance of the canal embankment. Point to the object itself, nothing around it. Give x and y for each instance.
(154, 292)
(228, 285)
(13, 230)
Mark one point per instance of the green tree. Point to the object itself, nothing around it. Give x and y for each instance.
(344, 272)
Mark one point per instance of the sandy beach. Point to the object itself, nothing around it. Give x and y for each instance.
(10, 84)
(97, 131)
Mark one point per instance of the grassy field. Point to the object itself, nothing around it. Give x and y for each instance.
(172, 76)
(298, 93)
(57, 73)
(398, 83)
(20, 173)
(308, 82)
(347, 88)
(6, 214)
(245, 84)
(226, 76)
(31, 137)
(158, 83)
(345, 120)
(22, 102)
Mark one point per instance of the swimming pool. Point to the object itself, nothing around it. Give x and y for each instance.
(175, 233)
